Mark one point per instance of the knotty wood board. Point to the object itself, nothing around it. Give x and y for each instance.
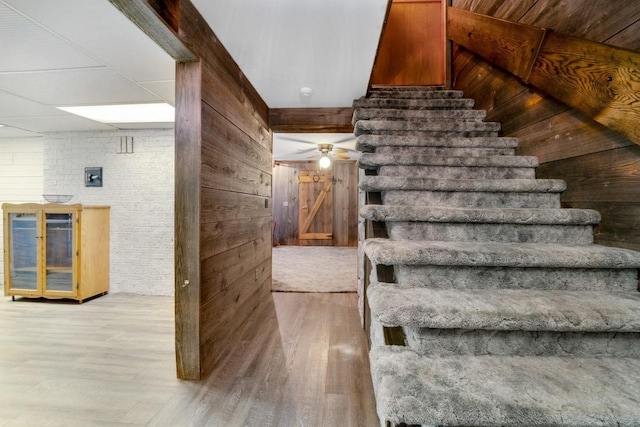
(619, 223)
(285, 191)
(588, 181)
(225, 268)
(509, 45)
(412, 48)
(565, 135)
(600, 81)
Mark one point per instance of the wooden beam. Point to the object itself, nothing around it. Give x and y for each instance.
(509, 45)
(599, 80)
(158, 19)
(311, 120)
(596, 79)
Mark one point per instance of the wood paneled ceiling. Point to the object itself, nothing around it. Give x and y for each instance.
(85, 52)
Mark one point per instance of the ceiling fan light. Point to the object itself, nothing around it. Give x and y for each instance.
(325, 162)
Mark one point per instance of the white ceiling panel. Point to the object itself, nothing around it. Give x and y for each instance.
(26, 46)
(284, 45)
(9, 132)
(165, 90)
(156, 125)
(75, 87)
(14, 106)
(96, 26)
(67, 122)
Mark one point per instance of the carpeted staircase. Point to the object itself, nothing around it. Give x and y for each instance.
(490, 305)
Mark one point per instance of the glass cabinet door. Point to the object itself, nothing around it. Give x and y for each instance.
(60, 251)
(23, 250)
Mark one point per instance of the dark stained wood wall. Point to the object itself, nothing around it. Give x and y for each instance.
(223, 195)
(345, 202)
(601, 167)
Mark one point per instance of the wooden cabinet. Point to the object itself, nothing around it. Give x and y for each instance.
(55, 250)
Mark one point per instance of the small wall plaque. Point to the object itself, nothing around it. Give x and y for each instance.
(93, 177)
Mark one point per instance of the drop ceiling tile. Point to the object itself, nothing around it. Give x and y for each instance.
(165, 90)
(26, 46)
(96, 26)
(9, 132)
(75, 87)
(68, 122)
(156, 125)
(15, 106)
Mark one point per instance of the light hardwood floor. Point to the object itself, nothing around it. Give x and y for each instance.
(110, 362)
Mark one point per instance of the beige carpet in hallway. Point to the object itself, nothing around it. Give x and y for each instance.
(314, 269)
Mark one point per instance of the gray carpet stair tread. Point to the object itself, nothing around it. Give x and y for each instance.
(418, 104)
(505, 309)
(371, 142)
(373, 161)
(494, 254)
(385, 183)
(366, 126)
(505, 390)
(393, 213)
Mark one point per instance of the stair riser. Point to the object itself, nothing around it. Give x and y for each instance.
(416, 94)
(456, 342)
(441, 151)
(471, 199)
(462, 277)
(455, 172)
(424, 115)
(416, 104)
(392, 127)
(474, 232)
(435, 134)
(370, 142)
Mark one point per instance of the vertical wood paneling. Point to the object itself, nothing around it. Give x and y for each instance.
(412, 48)
(187, 201)
(286, 202)
(569, 145)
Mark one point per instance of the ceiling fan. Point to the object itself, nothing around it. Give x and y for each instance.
(323, 151)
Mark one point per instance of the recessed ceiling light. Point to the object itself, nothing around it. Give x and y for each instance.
(305, 91)
(127, 113)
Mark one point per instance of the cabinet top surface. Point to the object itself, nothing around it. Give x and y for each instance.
(49, 206)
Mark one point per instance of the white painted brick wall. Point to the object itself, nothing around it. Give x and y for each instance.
(139, 188)
(20, 177)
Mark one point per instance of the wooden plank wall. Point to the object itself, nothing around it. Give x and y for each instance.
(231, 151)
(601, 167)
(345, 202)
(412, 50)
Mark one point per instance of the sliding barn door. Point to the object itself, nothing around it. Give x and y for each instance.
(315, 209)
